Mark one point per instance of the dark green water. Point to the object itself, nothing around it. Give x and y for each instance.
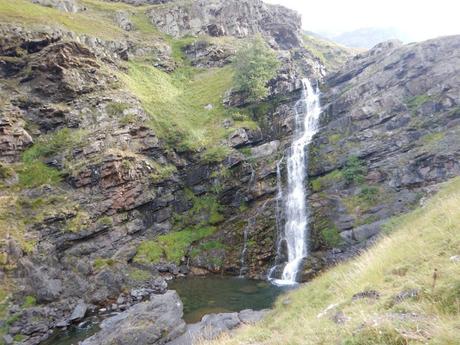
(200, 296)
(222, 294)
(72, 336)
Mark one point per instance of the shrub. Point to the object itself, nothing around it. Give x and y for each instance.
(29, 301)
(369, 194)
(331, 236)
(354, 170)
(215, 154)
(255, 65)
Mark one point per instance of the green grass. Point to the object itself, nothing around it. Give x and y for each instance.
(405, 258)
(176, 103)
(326, 181)
(23, 11)
(205, 211)
(100, 263)
(29, 301)
(417, 101)
(59, 142)
(139, 275)
(36, 174)
(171, 247)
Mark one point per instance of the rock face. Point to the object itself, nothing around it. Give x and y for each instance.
(396, 110)
(157, 321)
(62, 5)
(229, 18)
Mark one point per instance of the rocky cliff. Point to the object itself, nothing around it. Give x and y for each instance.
(127, 157)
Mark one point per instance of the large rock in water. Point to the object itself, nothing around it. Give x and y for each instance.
(239, 18)
(157, 321)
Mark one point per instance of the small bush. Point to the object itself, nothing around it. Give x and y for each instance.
(331, 237)
(29, 301)
(354, 170)
(256, 64)
(215, 154)
(369, 194)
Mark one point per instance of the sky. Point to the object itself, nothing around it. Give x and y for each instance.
(418, 19)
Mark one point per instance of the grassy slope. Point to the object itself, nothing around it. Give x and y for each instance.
(405, 258)
(96, 20)
(331, 54)
(177, 104)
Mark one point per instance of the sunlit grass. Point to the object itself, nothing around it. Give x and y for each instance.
(176, 103)
(405, 258)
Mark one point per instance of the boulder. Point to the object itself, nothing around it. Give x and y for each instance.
(123, 21)
(156, 321)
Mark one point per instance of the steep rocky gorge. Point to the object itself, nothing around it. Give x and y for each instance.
(100, 198)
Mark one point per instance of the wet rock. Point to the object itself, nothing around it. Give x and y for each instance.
(153, 322)
(79, 312)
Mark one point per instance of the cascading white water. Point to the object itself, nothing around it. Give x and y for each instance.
(295, 234)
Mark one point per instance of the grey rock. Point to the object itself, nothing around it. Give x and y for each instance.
(249, 316)
(240, 18)
(265, 150)
(8, 339)
(63, 5)
(123, 21)
(153, 322)
(79, 312)
(368, 294)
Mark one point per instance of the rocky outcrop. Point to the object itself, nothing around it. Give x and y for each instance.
(212, 326)
(229, 18)
(14, 139)
(157, 321)
(62, 5)
(389, 131)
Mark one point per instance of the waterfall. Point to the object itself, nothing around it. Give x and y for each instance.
(295, 211)
(243, 268)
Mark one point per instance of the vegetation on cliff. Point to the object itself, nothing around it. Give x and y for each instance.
(255, 65)
(404, 290)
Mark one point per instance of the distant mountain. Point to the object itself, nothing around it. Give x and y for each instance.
(368, 37)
